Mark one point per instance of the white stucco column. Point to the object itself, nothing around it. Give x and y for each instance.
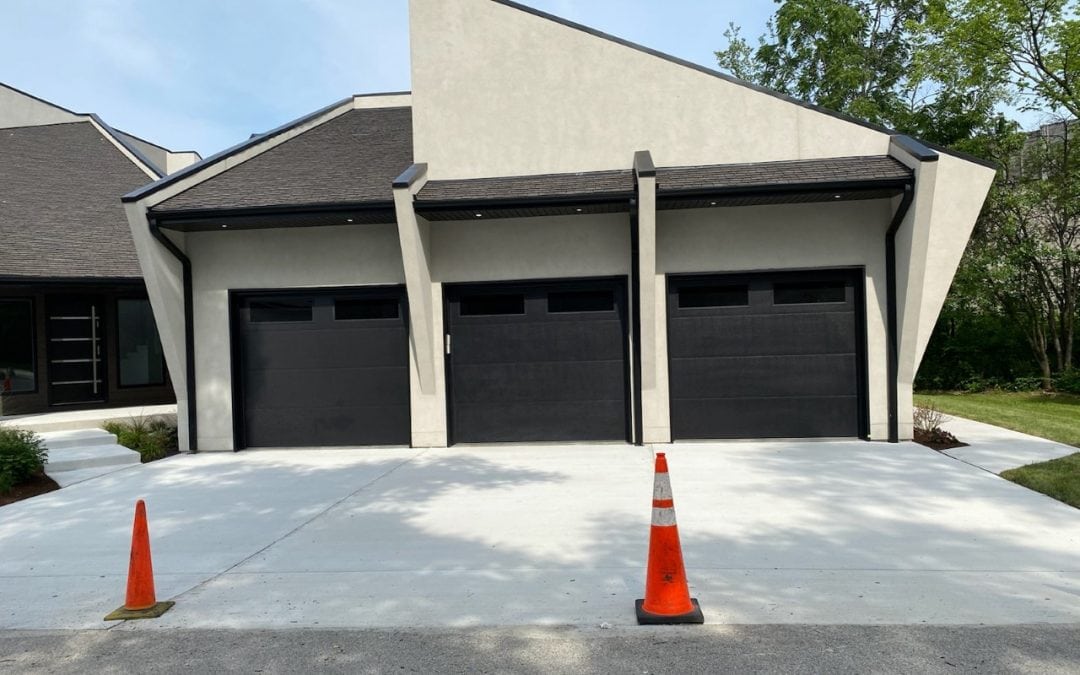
(652, 305)
(427, 390)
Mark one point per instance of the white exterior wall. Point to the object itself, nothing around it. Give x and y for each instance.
(19, 110)
(317, 257)
(791, 236)
(498, 91)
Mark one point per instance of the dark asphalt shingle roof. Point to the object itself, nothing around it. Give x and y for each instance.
(593, 183)
(796, 172)
(669, 180)
(60, 210)
(353, 158)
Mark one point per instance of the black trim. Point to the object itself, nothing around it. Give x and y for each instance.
(914, 148)
(481, 205)
(410, 175)
(71, 281)
(271, 217)
(154, 168)
(892, 327)
(727, 78)
(189, 332)
(824, 188)
(635, 324)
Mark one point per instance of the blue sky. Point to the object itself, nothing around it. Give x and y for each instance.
(205, 74)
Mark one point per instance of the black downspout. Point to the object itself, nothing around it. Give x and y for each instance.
(635, 326)
(189, 330)
(891, 309)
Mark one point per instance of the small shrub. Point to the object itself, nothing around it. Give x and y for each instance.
(1028, 383)
(1069, 382)
(152, 437)
(928, 419)
(22, 454)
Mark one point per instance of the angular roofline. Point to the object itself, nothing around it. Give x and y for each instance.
(732, 79)
(39, 99)
(156, 145)
(127, 145)
(251, 142)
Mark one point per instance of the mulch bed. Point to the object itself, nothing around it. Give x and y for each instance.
(937, 440)
(38, 484)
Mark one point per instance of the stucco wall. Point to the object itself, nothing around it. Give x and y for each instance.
(498, 91)
(793, 236)
(19, 110)
(270, 259)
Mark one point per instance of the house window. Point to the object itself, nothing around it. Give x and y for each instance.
(691, 297)
(142, 362)
(16, 346)
(809, 292)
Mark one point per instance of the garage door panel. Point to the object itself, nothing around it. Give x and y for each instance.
(312, 348)
(762, 334)
(538, 342)
(591, 381)
(765, 355)
(336, 426)
(329, 386)
(540, 421)
(825, 375)
(552, 367)
(764, 418)
(324, 381)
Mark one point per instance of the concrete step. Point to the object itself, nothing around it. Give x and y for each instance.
(62, 420)
(58, 440)
(88, 456)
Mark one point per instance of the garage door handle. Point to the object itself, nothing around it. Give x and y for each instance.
(447, 344)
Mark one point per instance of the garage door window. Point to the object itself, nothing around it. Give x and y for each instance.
(489, 305)
(809, 293)
(581, 301)
(713, 296)
(363, 309)
(273, 311)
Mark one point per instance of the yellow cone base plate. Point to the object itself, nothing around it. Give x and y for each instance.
(154, 612)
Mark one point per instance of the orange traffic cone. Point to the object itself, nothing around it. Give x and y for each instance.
(141, 601)
(667, 595)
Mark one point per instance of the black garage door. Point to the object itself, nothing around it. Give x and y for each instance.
(537, 361)
(766, 356)
(323, 369)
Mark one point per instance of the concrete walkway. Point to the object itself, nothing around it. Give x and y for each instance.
(781, 532)
(996, 449)
(67, 420)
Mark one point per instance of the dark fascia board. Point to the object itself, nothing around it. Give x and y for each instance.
(410, 175)
(643, 164)
(150, 189)
(729, 78)
(521, 202)
(785, 188)
(275, 216)
(71, 281)
(914, 148)
(156, 145)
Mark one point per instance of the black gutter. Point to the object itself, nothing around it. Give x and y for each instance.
(282, 210)
(521, 202)
(189, 331)
(785, 188)
(892, 328)
(729, 78)
(70, 281)
(643, 168)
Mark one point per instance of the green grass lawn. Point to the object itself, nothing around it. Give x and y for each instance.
(1053, 416)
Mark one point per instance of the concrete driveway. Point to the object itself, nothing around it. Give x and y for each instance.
(777, 532)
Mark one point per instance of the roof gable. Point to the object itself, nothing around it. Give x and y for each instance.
(60, 211)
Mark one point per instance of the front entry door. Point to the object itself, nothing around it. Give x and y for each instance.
(76, 350)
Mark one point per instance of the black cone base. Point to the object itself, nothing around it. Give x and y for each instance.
(649, 619)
